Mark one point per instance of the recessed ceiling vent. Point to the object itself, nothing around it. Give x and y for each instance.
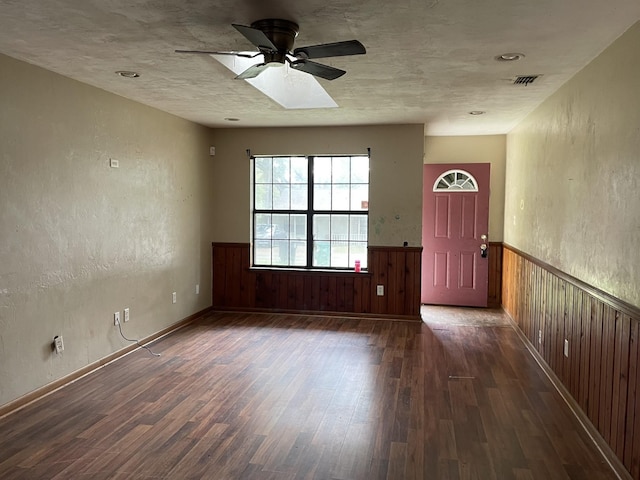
(525, 79)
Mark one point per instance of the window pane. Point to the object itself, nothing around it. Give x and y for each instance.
(263, 198)
(281, 170)
(322, 227)
(358, 229)
(281, 226)
(339, 227)
(339, 241)
(322, 170)
(298, 227)
(357, 251)
(359, 197)
(262, 252)
(263, 230)
(299, 170)
(321, 254)
(280, 253)
(339, 254)
(467, 184)
(340, 197)
(359, 169)
(298, 254)
(262, 226)
(281, 200)
(263, 170)
(322, 197)
(341, 169)
(298, 197)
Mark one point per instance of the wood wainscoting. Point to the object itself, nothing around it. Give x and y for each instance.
(237, 286)
(495, 275)
(601, 371)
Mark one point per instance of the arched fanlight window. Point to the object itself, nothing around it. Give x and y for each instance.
(456, 180)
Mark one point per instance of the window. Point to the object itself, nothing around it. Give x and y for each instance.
(310, 212)
(456, 180)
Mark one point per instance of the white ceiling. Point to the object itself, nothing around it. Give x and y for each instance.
(427, 61)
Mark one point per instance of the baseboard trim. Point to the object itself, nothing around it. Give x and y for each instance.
(45, 390)
(605, 450)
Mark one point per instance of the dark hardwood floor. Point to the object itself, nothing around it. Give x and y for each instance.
(250, 396)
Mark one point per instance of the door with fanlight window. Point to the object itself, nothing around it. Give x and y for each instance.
(455, 267)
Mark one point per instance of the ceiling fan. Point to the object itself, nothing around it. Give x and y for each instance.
(274, 39)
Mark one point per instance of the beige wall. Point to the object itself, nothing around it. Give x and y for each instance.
(573, 175)
(80, 240)
(395, 178)
(476, 149)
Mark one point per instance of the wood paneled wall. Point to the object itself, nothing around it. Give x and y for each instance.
(601, 371)
(495, 274)
(236, 286)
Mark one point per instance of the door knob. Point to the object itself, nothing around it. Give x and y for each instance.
(484, 250)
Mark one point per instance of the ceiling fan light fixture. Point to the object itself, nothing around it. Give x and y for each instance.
(509, 57)
(289, 87)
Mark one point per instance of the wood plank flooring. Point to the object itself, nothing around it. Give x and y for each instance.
(251, 396)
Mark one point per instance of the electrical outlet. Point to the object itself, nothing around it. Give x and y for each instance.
(380, 290)
(126, 314)
(540, 336)
(59, 344)
(566, 348)
(174, 297)
(197, 289)
(116, 318)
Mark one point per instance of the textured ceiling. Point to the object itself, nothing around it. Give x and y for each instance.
(427, 61)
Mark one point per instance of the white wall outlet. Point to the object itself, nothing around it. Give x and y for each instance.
(126, 314)
(59, 344)
(174, 297)
(197, 289)
(380, 290)
(540, 336)
(116, 318)
(566, 348)
(113, 163)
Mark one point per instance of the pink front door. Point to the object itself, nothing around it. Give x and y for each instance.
(455, 220)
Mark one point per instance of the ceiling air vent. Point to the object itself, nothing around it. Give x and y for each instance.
(525, 79)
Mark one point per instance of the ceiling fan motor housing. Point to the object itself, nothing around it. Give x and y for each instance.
(282, 34)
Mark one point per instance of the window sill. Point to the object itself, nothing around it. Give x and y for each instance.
(310, 271)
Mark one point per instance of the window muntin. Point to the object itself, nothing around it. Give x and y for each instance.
(455, 180)
(310, 212)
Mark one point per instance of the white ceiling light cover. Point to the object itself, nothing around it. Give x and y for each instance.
(284, 85)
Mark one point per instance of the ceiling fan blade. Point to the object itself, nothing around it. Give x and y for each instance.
(207, 52)
(252, 72)
(255, 36)
(337, 49)
(317, 69)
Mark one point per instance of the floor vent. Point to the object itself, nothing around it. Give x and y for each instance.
(525, 79)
